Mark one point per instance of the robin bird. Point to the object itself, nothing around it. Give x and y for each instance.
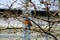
(27, 23)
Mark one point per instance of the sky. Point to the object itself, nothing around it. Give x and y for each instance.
(5, 2)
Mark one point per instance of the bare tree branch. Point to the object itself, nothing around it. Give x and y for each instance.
(12, 4)
(34, 8)
(43, 29)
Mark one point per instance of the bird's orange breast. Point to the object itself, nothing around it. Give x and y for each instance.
(26, 22)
